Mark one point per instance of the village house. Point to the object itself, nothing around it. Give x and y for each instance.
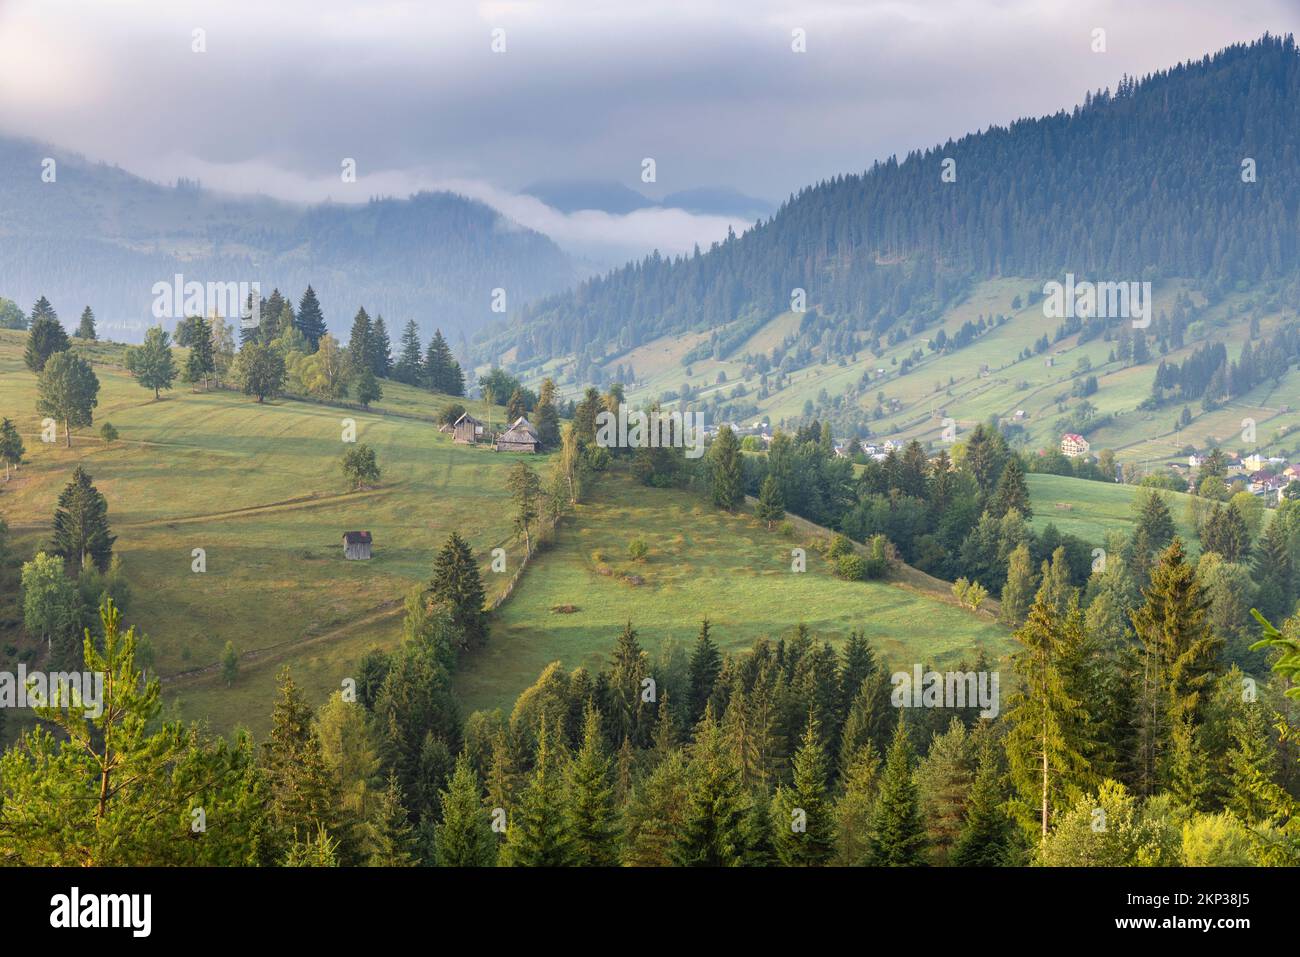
(520, 437)
(356, 545)
(1073, 445)
(467, 430)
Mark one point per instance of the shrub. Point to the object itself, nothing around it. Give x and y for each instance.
(851, 567)
(107, 432)
(637, 549)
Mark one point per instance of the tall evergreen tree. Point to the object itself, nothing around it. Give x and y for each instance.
(45, 336)
(1012, 492)
(592, 814)
(201, 364)
(456, 582)
(409, 368)
(361, 344)
(310, 321)
(724, 461)
(803, 818)
(771, 507)
(86, 328)
(985, 838)
(81, 531)
(464, 835)
(1018, 592)
(897, 833)
(706, 663)
(539, 833)
(437, 365)
(381, 349)
(712, 833)
(303, 795)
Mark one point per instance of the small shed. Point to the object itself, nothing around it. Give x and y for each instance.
(520, 437)
(356, 545)
(467, 430)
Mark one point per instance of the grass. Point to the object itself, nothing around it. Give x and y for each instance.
(577, 596)
(260, 490)
(1089, 510)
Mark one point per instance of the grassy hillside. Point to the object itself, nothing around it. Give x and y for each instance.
(577, 596)
(987, 378)
(259, 488)
(1089, 510)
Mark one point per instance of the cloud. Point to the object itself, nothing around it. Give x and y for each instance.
(709, 88)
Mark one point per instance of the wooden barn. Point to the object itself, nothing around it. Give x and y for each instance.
(356, 545)
(467, 430)
(520, 437)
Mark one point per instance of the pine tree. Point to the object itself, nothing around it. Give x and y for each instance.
(456, 582)
(592, 813)
(81, 531)
(86, 328)
(1012, 492)
(1226, 533)
(464, 835)
(546, 417)
(310, 321)
(1154, 521)
(724, 459)
(410, 362)
(201, 363)
(712, 832)
(706, 663)
(897, 834)
(803, 819)
(654, 814)
(45, 336)
(539, 833)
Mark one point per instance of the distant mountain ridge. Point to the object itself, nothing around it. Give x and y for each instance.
(1152, 180)
(102, 237)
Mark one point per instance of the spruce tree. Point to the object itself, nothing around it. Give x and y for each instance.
(303, 795)
(803, 818)
(410, 362)
(712, 832)
(771, 507)
(592, 813)
(45, 336)
(1047, 745)
(706, 663)
(539, 833)
(897, 834)
(381, 351)
(853, 808)
(81, 531)
(310, 321)
(629, 666)
(724, 461)
(464, 836)
(1012, 492)
(201, 363)
(1274, 573)
(985, 837)
(86, 328)
(456, 582)
(361, 345)
(437, 365)
(387, 837)
(1251, 765)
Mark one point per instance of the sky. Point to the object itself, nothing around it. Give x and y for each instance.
(712, 90)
